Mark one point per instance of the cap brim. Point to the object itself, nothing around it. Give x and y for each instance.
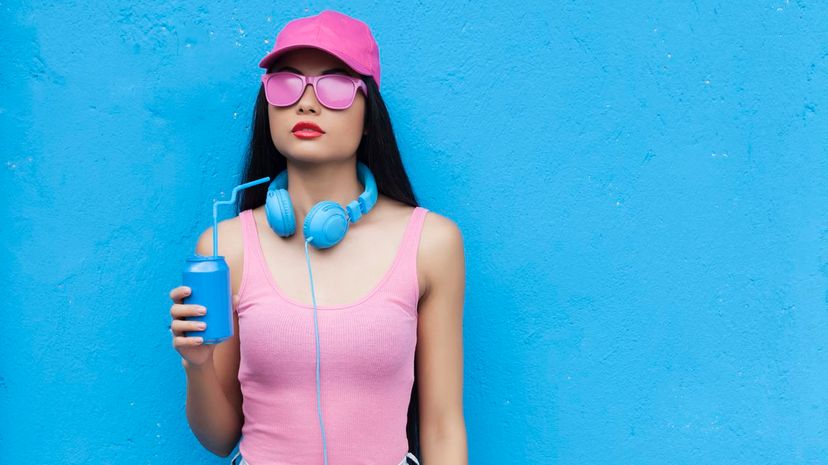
(272, 56)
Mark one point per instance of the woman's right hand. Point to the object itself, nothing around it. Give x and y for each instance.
(192, 349)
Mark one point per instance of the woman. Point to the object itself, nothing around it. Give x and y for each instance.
(388, 297)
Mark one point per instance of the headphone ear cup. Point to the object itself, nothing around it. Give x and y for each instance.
(279, 211)
(327, 222)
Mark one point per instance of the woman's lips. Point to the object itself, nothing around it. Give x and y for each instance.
(307, 133)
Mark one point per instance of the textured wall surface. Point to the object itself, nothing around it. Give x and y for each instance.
(641, 187)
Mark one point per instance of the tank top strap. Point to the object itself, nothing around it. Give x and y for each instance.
(253, 266)
(407, 272)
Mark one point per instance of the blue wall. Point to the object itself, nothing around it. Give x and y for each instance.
(641, 187)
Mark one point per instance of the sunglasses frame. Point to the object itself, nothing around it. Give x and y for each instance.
(357, 82)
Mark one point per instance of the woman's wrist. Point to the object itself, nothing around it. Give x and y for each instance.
(190, 367)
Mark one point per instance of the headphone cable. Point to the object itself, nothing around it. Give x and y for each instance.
(316, 330)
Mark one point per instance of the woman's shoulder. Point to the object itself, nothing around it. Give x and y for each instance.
(230, 246)
(229, 237)
(440, 235)
(438, 230)
(440, 251)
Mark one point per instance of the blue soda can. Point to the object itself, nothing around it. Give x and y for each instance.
(208, 278)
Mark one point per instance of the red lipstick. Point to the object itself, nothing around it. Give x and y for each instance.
(307, 130)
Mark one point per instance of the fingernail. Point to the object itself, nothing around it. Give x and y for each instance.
(202, 325)
(202, 310)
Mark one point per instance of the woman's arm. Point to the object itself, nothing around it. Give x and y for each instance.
(440, 344)
(213, 419)
(214, 401)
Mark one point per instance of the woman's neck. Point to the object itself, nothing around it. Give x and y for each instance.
(311, 183)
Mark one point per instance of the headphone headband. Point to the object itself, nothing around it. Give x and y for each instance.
(327, 222)
(357, 207)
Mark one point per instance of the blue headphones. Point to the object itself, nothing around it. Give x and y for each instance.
(327, 222)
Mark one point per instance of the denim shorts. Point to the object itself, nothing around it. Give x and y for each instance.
(404, 460)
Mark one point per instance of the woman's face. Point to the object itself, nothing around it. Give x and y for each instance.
(342, 129)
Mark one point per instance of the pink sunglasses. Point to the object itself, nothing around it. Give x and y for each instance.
(335, 91)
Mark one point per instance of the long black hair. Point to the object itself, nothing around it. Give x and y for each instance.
(377, 149)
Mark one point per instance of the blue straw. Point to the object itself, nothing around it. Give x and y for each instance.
(225, 202)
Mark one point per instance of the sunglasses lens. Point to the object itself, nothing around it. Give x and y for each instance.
(282, 89)
(336, 92)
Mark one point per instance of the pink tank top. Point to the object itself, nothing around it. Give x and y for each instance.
(366, 363)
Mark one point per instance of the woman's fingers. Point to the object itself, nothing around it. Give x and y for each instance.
(179, 326)
(178, 311)
(178, 294)
(181, 341)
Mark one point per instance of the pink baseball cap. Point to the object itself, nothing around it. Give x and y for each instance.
(346, 38)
